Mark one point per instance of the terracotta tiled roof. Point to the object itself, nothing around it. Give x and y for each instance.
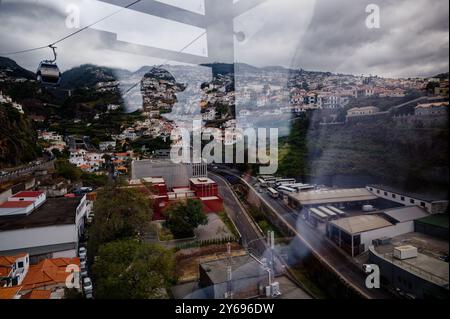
(9, 292)
(48, 272)
(37, 294)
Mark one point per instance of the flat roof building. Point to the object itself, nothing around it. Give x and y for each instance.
(355, 234)
(331, 196)
(248, 277)
(174, 174)
(51, 230)
(433, 203)
(421, 275)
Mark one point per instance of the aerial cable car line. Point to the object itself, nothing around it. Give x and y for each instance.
(160, 65)
(48, 72)
(73, 33)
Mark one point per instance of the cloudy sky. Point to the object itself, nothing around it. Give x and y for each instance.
(323, 35)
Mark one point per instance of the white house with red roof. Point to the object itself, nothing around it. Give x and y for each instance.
(22, 203)
(13, 269)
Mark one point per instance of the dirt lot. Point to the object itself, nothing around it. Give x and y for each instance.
(187, 260)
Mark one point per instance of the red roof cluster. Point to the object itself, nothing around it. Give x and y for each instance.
(28, 194)
(16, 204)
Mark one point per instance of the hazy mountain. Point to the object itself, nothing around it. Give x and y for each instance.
(87, 75)
(11, 68)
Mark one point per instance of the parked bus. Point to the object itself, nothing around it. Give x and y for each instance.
(317, 214)
(327, 211)
(286, 189)
(302, 187)
(337, 210)
(272, 192)
(285, 181)
(266, 180)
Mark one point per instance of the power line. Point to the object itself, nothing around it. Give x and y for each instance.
(73, 33)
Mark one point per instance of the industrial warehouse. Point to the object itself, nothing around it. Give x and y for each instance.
(404, 234)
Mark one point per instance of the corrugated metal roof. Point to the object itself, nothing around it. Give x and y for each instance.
(333, 196)
(407, 213)
(362, 223)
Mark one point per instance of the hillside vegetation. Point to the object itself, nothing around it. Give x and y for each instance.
(18, 138)
(412, 158)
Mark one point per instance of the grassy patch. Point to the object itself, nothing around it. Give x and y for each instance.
(227, 221)
(302, 276)
(164, 234)
(265, 226)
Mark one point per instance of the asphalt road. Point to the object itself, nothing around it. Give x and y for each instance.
(251, 236)
(316, 242)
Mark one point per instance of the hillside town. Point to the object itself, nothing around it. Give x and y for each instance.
(242, 151)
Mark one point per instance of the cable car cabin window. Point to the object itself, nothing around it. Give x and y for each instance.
(49, 73)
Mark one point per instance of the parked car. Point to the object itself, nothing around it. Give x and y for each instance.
(89, 296)
(3, 173)
(84, 273)
(82, 253)
(90, 218)
(87, 285)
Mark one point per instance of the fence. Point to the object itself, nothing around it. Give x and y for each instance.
(202, 243)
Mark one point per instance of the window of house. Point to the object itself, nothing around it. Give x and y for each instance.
(385, 193)
(402, 198)
(393, 196)
(20, 264)
(411, 201)
(422, 204)
(378, 191)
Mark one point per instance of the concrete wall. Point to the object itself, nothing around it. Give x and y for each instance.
(65, 254)
(391, 231)
(36, 237)
(5, 195)
(394, 276)
(431, 230)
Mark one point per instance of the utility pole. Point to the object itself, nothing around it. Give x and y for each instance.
(229, 293)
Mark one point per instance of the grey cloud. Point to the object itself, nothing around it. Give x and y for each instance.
(324, 35)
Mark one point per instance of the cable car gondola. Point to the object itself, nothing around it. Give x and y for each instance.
(48, 72)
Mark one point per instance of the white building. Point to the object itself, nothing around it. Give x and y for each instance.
(50, 136)
(433, 109)
(432, 204)
(22, 203)
(13, 269)
(104, 146)
(355, 234)
(362, 111)
(52, 230)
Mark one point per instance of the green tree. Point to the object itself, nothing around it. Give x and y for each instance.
(72, 293)
(94, 180)
(184, 217)
(120, 213)
(67, 170)
(129, 269)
